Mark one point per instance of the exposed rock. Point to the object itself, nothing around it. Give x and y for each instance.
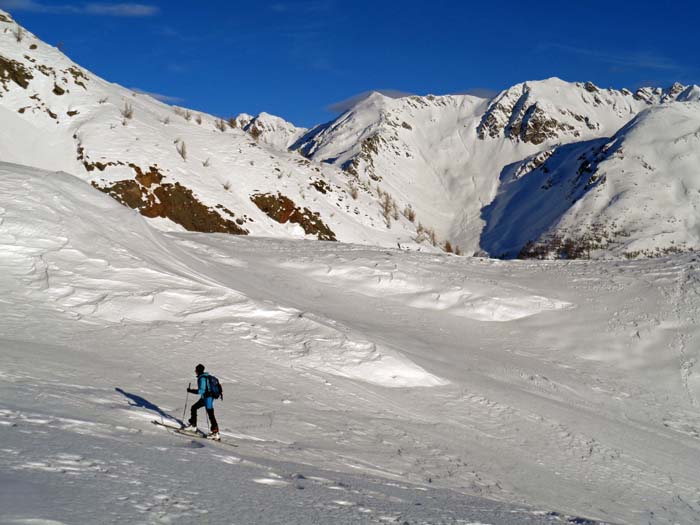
(11, 70)
(282, 209)
(254, 131)
(645, 95)
(46, 70)
(368, 148)
(536, 126)
(153, 198)
(672, 92)
(534, 162)
(79, 77)
(500, 112)
(321, 186)
(90, 166)
(128, 192)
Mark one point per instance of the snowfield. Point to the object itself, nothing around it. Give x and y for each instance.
(362, 385)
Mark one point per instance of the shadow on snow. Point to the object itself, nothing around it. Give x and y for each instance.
(140, 402)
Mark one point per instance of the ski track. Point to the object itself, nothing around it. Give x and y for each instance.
(159, 492)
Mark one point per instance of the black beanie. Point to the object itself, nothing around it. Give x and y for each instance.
(199, 369)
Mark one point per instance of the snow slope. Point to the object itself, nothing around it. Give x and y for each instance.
(636, 193)
(185, 169)
(385, 383)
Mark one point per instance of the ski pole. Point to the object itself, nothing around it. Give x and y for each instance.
(187, 397)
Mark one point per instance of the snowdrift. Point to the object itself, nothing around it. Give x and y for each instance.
(95, 260)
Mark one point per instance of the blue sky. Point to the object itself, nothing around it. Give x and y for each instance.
(300, 58)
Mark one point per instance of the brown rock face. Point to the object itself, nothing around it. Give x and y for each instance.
(282, 209)
(153, 198)
(11, 70)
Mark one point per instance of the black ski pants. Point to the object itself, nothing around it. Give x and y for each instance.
(210, 412)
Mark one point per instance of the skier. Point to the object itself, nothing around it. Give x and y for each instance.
(206, 400)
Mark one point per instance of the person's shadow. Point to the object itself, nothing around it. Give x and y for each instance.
(138, 401)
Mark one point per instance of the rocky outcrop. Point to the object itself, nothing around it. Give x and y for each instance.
(148, 194)
(518, 115)
(13, 71)
(500, 112)
(536, 127)
(554, 110)
(283, 210)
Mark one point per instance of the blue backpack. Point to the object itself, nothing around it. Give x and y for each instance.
(214, 388)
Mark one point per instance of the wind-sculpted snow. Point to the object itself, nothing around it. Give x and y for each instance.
(362, 384)
(481, 301)
(91, 268)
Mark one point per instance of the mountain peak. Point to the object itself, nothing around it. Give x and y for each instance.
(690, 94)
(553, 110)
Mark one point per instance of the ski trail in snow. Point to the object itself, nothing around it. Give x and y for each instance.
(686, 283)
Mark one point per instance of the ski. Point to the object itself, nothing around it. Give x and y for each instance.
(198, 434)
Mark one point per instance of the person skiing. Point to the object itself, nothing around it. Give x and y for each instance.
(206, 399)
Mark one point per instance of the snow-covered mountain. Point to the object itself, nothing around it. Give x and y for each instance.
(448, 157)
(637, 193)
(182, 168)
(451, 172)
(270, 129)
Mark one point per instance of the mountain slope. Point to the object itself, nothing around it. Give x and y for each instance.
(426, 173)
(185, 169)
(637, 193)
(446, 156)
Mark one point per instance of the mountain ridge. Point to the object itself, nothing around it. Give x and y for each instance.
(422, 172)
